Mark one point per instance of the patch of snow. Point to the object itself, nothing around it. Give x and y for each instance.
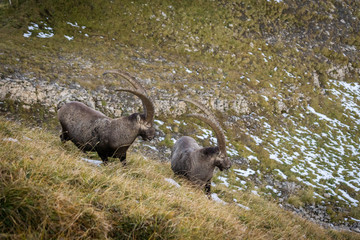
(257, 140)
(242, 182)
(244, 173)
(251, 157)
(243, 206)
(159, 122)
(47, 32)
(249, 149)
(271, 188)
(215, 198)
(274, 156)
(255, 192)
(324, 117)
(95, 162)
(232, 152)
(353, 201)
(318, 195)
(224, 181)
(45, 35)
(240, 205)
(10, 140)
(323, 160)
(354, 219)
(73, 24)
(188, 70)
(69, 37)
(173, 182)
(289, 74)
(281, 174)
(34, 26)
(27, 34)
(151, 147)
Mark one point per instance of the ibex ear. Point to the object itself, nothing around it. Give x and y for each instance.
(138, 118)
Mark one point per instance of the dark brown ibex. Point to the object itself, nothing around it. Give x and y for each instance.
(90, 130)
(198, 163)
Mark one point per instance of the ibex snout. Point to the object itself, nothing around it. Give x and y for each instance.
(228, 164)
(148, 134)
(223, 162)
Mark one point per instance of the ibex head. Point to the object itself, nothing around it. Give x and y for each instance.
(222, 162)
(217, 154)
(147, 131)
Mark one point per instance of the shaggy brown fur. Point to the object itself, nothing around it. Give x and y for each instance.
(91, 130)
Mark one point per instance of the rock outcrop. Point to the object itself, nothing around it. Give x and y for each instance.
(51, 95)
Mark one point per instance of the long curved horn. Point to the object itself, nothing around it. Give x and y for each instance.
(149, 109)
(220, 136)
(129, 78)
(134, 83)
(200, 106)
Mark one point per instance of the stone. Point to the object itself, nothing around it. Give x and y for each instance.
(316, 79)
(54, 95)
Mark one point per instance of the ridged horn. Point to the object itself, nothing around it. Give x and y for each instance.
(149, 109)
(220, 136)
(129, 78)
(132, 81)
(200, 106)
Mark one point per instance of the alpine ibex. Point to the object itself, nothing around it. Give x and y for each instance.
(198, 163)
(90, 130)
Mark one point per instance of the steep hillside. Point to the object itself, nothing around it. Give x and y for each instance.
(48, 191)
(282, 77)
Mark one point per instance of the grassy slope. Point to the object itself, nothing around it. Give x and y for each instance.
(223, 43)
(47, 191)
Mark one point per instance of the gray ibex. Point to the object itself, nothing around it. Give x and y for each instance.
(91, 130)
(198, 163)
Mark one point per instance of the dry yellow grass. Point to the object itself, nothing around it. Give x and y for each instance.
(48, 192)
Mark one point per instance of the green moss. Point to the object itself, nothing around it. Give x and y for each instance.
(167, 141)
(295, 201)
(35, 114)
(335, 216)
(307, 196)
